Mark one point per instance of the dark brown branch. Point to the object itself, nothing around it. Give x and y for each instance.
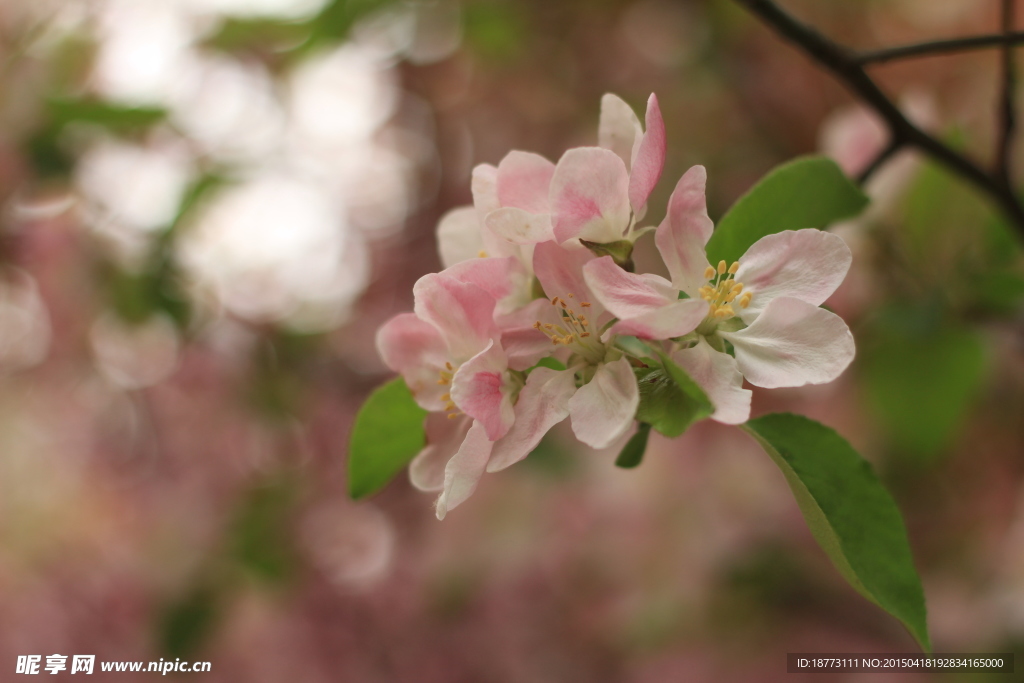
(844, 66)
(1007, 117)
(939, 47)
(879, 161)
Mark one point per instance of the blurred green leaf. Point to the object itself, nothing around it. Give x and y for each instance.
(184, 625)
(260, 539)
(921, 381)
(809, 192)
(115, 117)
(495, 30)
(549, 362)
(387, 433)
(670, 401)
(236, 35)
(849, 512)
(633, 452)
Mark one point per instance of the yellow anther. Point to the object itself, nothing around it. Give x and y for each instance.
(452, 416)
(449, 405)
(567, 339)
(745, 299)
(721, 312)
(721, 267)
(554, 302)
(571, 295)
(563, 304)
(585, 334)
(482, 254)
(536, 325)
(730, 297)
(737, 287)
(443, 381)
(734, 267)
(446, 397)
(449, 366)
(709, 273)
(585, 304)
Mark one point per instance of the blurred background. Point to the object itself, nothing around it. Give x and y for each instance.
(207, 208)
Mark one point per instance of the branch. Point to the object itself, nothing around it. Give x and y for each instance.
(844, 66)
(1008, 123)
(939, 47)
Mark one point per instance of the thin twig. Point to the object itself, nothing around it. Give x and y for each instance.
(879, 161)
(1007, 117)
(939, 47)
(843, 64)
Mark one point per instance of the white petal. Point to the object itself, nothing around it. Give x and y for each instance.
(801, 264)
(461, 311)
(602, 410)
(543, 403)
(720, 378)
(485, 190)
(590, 196)
(672, 320)
(686, 229)
(518, 226)
(464, 470)
(524, 179)
(792, 343)
(444, 437)
(458, 236)
(619, 128)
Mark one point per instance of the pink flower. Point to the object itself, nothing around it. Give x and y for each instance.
(449, 354)
(594, 193)
(766, 305)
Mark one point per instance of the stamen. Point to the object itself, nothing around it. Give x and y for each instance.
(443, 381)
(571, 295)
(482, 254)
(734, 267)
(709, 273)
(554, 302)
(452, 416)
(585, 304)
(584, 335)
(449, 366)
(446, 397)
(721, 267)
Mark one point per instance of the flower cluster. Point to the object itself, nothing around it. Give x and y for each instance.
(538, 269)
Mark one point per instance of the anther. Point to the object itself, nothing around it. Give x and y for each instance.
(585, 334)
(449, 366)
(734, 267)
(554, 302)
(452, 416)
(571, 295)
(721, 267)
(442, 381)
(446, 397)
(585, 304)
(482, 254)
(709, 273)
(563, 304)
(536, 325)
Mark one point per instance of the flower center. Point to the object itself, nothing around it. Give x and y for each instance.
(575, 330)
(446, 378)
(722, 290)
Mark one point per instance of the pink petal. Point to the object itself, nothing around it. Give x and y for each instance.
(673, 320)
(415, 349)
(602, 410)
(590, 196)
(627, 295)
(801, 264)
(458, 236)
(649, 160)
(619, 129)
(543, 403)
(524, 180)
(499, 277)
(480, 389)
(444, 437)
(560, 271)
(523, 343)
(462, 312)
(520, 227)
(686, 229)
(792, 343)
(719, 376)
(464, 470)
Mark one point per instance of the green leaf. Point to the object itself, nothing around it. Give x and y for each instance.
(809, 192)
(850, 513)
(186, 624)
(621, 252)
(548, 362)
(106, 114)
(921, 383)
(260, 538)
(633, 452)
(387, 434)
(669, 400)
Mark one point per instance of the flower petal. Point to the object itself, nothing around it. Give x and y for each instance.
(523, 181)
(543, 403)
(519, 226)
(720, 378)
(792, 343)
(686, 229)
(480, 388)
(461, 311)
(444, 437)
(672, 320)
(649, 158)
(485, 190)
(464, 470)
(415, 349)
(560, 272)
(523, 343)
(619, 129)
(801, 264)
(458, 236)
(499, 277)
(625, 294)
(590, 196)
(602, 410)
